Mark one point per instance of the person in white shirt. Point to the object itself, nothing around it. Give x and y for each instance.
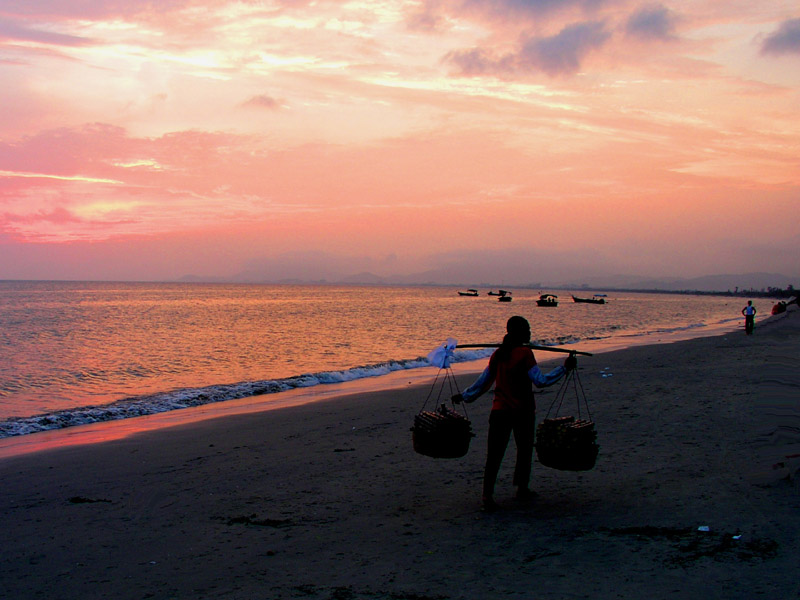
(749, 313)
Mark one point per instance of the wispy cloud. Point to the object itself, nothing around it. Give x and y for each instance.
(12, 31)
(84, 178)
(372, 128)
(529, 9)
(57, 215)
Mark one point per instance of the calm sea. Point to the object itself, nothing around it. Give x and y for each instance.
(73, 353)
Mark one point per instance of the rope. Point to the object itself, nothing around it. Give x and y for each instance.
(572, 378)
(430, 393)
(449, 380)
(454, 385)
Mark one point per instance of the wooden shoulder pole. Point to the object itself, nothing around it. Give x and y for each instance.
(532, 346)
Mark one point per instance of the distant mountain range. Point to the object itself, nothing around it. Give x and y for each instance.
(708, 283)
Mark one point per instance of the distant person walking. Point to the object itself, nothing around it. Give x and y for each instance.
(749, 313)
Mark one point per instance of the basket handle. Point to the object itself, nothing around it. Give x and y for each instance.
(571, 381)
(449, 381)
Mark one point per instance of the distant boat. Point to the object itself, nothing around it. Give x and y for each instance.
(504, 295)
(469, 292)
(596, 299)
(547, 300)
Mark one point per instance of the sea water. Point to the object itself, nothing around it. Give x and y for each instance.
(75, 353)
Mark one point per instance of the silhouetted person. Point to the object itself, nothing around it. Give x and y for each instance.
(513, 370)
(749, 313)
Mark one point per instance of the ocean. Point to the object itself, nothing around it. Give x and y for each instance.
(76, 353)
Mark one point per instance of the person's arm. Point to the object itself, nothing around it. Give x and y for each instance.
(541, 380)
(473, 392)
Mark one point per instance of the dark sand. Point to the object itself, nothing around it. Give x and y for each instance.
(329, 500)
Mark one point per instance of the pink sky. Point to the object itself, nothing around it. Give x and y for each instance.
(521, 140)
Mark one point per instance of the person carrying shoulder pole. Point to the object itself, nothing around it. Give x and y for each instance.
(513, 370)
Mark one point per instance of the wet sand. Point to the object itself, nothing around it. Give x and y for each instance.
(329, 501)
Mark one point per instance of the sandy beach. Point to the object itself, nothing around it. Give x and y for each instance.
(695, 495)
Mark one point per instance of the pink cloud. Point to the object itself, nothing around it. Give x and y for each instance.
(58, 215)
(263, 101)
(88, 9)
(569, 119)
(12, 31)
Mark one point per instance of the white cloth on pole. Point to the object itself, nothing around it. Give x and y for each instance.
(442, 355)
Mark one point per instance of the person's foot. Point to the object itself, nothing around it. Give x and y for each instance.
(489, 505)
(525, 494)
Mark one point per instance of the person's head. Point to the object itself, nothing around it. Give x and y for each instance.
(518, 329)
(749, 303)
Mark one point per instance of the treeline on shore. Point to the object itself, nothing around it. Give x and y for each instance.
(769, 292)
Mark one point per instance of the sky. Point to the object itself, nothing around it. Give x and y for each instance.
(471, 140)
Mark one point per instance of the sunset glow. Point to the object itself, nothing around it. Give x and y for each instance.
(526, 141)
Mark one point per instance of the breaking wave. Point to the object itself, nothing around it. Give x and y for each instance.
(138, 406)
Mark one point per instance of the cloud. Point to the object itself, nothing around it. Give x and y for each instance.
(57, 215)
(475, 61)
(56, 9)
(99, 181)
(439, 15)
(534, 9)
(64, 151)
(560, 54)
(11, 31)
(651, 22)
(46, 225)
(263, 101)
(426, 18)
(786, 40)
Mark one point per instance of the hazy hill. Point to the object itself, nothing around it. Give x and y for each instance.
(461, 278)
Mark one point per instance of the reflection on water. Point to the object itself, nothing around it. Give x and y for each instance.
(66, 345)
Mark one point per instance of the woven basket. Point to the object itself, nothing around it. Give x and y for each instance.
(442, 433)
(567, 444)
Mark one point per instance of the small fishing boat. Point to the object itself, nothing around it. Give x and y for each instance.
(547, 300)
(469, 292)
(498, 293)
(596, 299)
(504, 296)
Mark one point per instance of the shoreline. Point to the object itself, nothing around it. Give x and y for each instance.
(695, 494)
(102, 431)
